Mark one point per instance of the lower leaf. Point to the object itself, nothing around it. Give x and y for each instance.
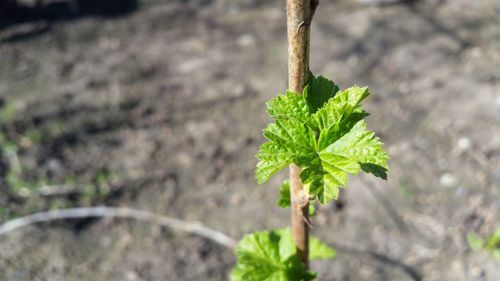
(272, 256)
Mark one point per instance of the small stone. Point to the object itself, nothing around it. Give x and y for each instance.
(131, 275)
(447, 180)
(464, 143)
(24, 192)
(191, 65)
(246, 40)
(54, 165)
(184, 159)
(476, 52)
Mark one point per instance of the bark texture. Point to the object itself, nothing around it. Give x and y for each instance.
(299, 16)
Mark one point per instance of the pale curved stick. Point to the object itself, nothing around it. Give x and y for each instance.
(128, 213)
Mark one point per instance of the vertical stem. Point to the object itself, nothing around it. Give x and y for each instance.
(300, 214)
(299, 16)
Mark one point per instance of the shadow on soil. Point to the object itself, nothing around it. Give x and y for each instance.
(14, 12)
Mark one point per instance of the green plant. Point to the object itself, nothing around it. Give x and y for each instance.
(490, 244)
(323, 132)
(271, 255)
(320, 133)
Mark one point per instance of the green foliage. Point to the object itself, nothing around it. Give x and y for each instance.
(493, 244)
(284, 200)
(312, 209)
(271, 256)
(323, 132)
(319, 91)
(490, 244)
(320, 251)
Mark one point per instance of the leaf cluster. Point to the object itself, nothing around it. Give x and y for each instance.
(490, 244)
(272, 256)
(323, 132)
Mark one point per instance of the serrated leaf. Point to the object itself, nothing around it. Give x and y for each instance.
(270, 256)
(325, 135)
(320, 251)
(358, 149)
(290, 105)
(272, 159)
(319, 91)
(289, 141)
(339, 115)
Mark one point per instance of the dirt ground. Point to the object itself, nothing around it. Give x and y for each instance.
(160, 107)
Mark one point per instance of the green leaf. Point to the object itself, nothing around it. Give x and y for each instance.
(323, 184)
(289, 141)
(312, 209)
(339, 114)
(493, 241)
(323, 132)
(270, 256)
(474, 241)
(320, 251)
(272, 159)
(284, 200)
(359, 145)
(319, 91)
(290, 105)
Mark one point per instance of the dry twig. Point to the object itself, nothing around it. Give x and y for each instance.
(127, 213)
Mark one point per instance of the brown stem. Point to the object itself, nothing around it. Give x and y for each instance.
(300, 215)
(299, 16)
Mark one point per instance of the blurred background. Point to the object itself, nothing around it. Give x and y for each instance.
(159, 105)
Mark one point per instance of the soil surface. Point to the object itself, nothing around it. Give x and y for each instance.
(159, 105)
